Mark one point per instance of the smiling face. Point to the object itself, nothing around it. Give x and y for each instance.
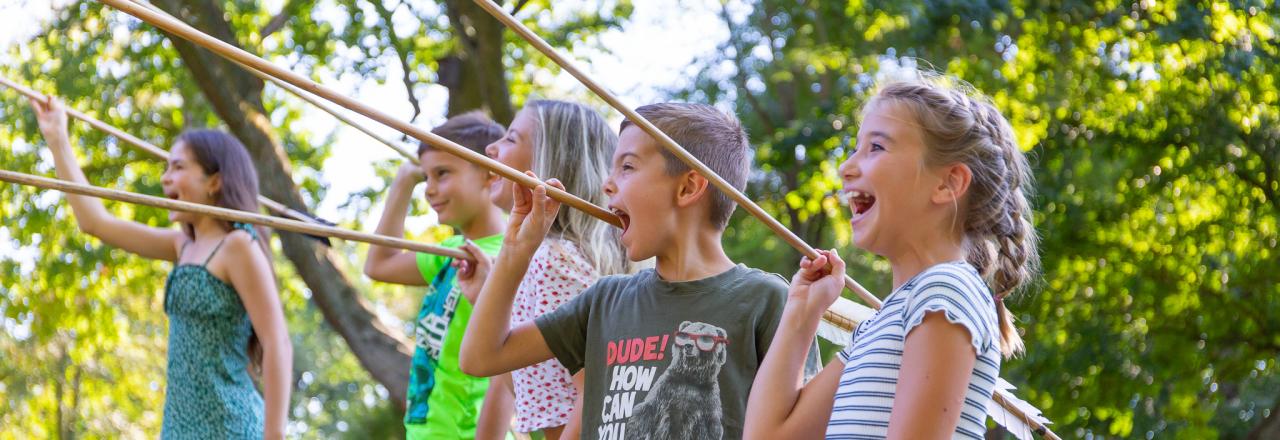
(642, 194)
(456, 190)
(185, 180)
(889, 188)
(515, 150)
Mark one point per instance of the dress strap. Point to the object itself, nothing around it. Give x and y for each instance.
(183, 250)
(215, 249)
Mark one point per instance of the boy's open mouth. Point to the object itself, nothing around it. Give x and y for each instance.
(622, 215)
(860, 202)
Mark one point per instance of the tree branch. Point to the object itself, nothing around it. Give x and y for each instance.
(403, 52)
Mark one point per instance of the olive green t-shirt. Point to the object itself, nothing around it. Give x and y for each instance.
(668, 359)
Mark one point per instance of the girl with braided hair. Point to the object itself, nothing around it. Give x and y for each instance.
(938, 186)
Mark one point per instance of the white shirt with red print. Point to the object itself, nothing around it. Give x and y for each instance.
(544, 392)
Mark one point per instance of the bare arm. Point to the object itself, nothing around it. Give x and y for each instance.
(937, 361)
(250, 274)
(388, 264)
(499, 404)
(490, 346)
(781, 405)
(573, 429)
(91, 216)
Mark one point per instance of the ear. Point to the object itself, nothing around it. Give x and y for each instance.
(214, 184)
(691, 187)
(953, 184)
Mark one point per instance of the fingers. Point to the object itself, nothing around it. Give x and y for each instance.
(837, 264)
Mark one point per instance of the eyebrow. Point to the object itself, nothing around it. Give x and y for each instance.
(624, 156)
(880, 134)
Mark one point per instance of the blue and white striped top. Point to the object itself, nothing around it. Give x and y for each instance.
(873, 358)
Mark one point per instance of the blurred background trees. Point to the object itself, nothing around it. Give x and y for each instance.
(1152, 126)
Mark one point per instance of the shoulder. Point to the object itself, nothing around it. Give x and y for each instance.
(954, 279)
(762, 283)
(241, 244)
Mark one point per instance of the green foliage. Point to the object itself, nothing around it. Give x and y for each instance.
(82, 327)
(1153, 129)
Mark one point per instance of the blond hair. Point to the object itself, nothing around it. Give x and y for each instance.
(715, 138)
(574, 144)
(961, 125)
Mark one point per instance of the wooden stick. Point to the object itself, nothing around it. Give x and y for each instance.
(693, 162)
(671, 146)
(226, 214)
(220, 47)
(143, 145)
(305, 96)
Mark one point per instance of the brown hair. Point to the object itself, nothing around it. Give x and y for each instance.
(472, 129)
(220, 153)
(963, 126)
(713, 137)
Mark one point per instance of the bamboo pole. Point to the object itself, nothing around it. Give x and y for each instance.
(182, 30)
(226, 214)
(145, 146)
(671, 146)
(305, 96)
(742, 200)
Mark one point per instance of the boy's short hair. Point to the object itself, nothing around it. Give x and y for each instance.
(472, 129)
(710, 135)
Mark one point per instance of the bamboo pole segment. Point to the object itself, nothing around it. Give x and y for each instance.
(225, 50)
(305, 97)
(220, 213)
(671, 146)
(755, 210)
(143, 145)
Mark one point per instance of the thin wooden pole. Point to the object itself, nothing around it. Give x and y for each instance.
(182, 30)
(755, 210)
(305, 97)
(226, 214)
(671, 145)
(145, 146)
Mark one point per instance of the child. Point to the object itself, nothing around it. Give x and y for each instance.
(225, 317)
(668, 352)
(556, 138)
(442, 401)
(937, 186)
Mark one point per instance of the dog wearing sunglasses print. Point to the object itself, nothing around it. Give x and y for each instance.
(685, 401)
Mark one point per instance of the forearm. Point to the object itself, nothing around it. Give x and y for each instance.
(277, 366)
(495, 416)
(484, 344)
(776, 391)
(393, 216)
(89, 211)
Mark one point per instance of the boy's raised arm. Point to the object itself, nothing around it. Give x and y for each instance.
(391, 265)
(491, 346)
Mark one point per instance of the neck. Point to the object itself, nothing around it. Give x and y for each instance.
(924, 251)
(487, 223)
(208, 227)
(693, 255)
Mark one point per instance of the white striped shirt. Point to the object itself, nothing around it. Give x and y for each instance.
(873, 358)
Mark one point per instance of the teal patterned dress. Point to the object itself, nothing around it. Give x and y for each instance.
(209, 394)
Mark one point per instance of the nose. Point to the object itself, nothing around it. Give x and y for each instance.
(609, 188)
(491, 150)
(849, 169)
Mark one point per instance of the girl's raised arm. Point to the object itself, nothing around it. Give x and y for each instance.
(91, 216)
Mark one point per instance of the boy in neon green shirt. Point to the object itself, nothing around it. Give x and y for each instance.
(442, 401)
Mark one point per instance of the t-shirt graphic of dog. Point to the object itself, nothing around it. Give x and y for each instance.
(685, 401)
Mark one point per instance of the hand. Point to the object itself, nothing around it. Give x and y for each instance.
(51, 115)
(473, 271)
(818, 282)
(410, 173)
(532, 214)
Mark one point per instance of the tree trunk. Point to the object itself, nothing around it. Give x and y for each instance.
(236, 96)
(474, 72)
(1269, 427)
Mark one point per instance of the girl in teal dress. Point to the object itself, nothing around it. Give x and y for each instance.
(225, 317)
